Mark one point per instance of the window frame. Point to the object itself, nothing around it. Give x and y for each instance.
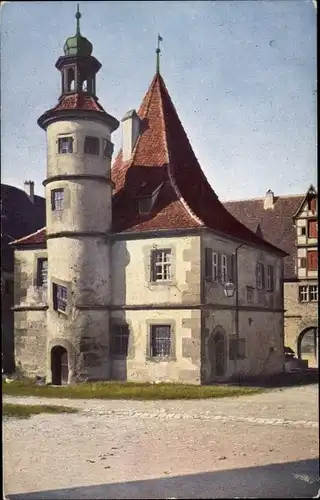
(270, 278)
(224, 268)
(87, 140)
(303, 290)
(260, 276)
(107, 145)
(140, 201)
(250, 289)
(163, 264)
(40, 281)
(215, 266)
(57, 203)
(70, 140)
(313, 290)
(120, 333)
(58, 300)
(169, 339)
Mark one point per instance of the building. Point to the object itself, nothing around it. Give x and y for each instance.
(291, 223)
(127, 280)
(22, 212)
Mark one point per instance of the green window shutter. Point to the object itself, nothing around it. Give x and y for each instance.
(208, 264)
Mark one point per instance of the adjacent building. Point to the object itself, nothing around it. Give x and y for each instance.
(128, 278)
(291, 223)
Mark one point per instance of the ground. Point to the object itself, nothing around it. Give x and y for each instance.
(263, 445)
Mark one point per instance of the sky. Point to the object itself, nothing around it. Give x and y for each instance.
(241, 74)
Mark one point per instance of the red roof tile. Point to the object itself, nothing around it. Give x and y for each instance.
(275, 225)
(163, 154)
(39, 237)
(78, 101)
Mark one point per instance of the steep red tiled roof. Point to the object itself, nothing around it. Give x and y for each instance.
(163, 154)
(78, 101)
(31, 239)
(276, 225)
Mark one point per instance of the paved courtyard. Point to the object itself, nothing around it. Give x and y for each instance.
(264, 445)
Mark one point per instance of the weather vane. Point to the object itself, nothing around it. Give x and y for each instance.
(160, 39)
(78, 15)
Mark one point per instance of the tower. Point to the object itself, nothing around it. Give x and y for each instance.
(78, 190)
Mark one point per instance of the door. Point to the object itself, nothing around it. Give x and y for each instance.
(59, 365)
(219, 349)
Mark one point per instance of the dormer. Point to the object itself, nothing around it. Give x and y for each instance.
(269, 200)
(147, 197)
(130, 133)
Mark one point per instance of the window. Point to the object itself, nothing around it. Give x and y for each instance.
(313, 293)
(224, 269)
(57, 199)
(312, 204)
(8, 286)
(303, 230)
(160, 341)
(312, 260)
(60, 297)
(120, 340)
(145, 205)
(250, 294)
(303, 262)
(260, 276)
(161, 265)
(91, 146)
(237, 348)
(303, 293)
(214, 266)
(312, 229)
(269, 278)
(42, 272)
(65, 145)
(107, 148)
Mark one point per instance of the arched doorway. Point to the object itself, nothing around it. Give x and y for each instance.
(307, 347)
(217, 354)
(59, 365)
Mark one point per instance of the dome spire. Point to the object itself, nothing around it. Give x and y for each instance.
(77, 16)
(160, 39)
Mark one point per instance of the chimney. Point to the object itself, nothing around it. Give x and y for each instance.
(269, 200)
(130, 133)
(29, 189)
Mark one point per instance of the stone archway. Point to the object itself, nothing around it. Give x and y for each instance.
(307, 346)
(59, 365)
(217, 354)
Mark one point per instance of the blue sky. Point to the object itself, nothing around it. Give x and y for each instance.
(242, 75)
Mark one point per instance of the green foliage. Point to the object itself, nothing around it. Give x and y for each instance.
(25, 411)
(125, 390)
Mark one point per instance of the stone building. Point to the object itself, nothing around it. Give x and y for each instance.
(291, 223)
(127, 280)
(21, 212)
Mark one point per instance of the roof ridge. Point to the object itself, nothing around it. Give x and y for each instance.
(263, 198)
(20, 240)
(171, 176)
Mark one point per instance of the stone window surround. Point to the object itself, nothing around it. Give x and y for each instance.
(161, 321)
(67, 285)
(304, 291)
(38, 256)
(58, 214)
(147, 257)
(76, 141)
(115, 322)
(250, 290)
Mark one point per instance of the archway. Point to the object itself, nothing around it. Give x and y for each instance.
(307, 346)
(217, 354)
(59, 365)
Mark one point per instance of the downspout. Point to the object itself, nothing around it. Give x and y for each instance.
(237, 304)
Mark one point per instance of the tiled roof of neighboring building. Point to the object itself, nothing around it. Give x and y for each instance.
(19, 216)
(163, 154)
(275, 225)
(36, 238)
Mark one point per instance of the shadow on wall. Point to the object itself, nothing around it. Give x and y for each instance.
(121, 334)
(287, 480)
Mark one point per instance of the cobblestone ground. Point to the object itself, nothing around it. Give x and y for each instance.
(116, 442)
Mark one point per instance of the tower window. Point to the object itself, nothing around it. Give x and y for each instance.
(91, 146)
(42, 272)
(60, 297)
(70, 80)
(65, 145)
(57, 199)
(107, 148)
(120, 340)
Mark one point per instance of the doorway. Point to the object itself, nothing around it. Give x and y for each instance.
(217, 355)
(307, 347)
(59, 365)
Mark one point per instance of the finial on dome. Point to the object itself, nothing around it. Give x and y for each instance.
(160, 39)
(77, 16)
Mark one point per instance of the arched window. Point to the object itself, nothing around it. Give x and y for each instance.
(70, 80)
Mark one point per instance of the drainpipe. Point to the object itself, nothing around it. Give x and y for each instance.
(237, 302)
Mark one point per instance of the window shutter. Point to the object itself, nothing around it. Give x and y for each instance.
(208, 264)
(152, 266)
(262, 276)
(257, 283)
(219, 266)
(232, 272)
